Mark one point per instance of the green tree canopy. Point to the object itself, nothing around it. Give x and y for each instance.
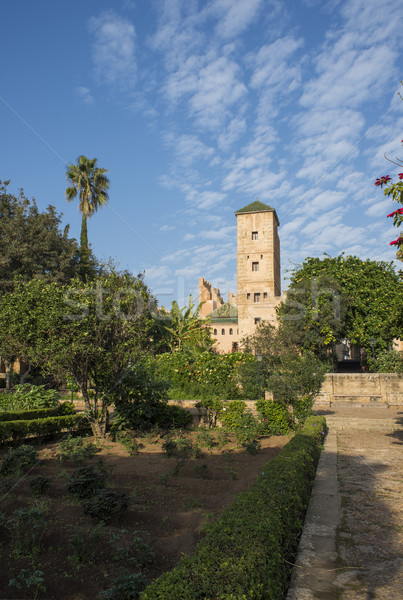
(184, 330)
(343, 297)
(32, 243)
(93, 332)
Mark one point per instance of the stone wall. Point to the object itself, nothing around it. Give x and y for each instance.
(361, 389)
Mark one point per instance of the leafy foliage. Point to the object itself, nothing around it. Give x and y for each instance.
(85, 482)
(76, 449)
(184, 329)
(27, 526)
(93, 332)
(344, 297)
(232, 413)
(18, 460)
(275, 416)
(32, 244)
(389, 361)
(104, 504)
(30, 397)
(207, 375)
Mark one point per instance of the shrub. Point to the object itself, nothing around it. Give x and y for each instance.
(247, 552)
(172, 416)
(85, 482)
(302, 408)
(18, 460)
(39, 485)
(388, 362)
(125, 587)
(76, 449)
(231, 414)
(128, 441)
(248, 429)
(253, 447)
(140, 398)
(210, 409)
(105, 504)
(27, 526)
(28, 397)
(277, 419)
(67, 408)
(27, 579)
(20, 430)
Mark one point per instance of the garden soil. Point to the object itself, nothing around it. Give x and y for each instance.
(79, 558)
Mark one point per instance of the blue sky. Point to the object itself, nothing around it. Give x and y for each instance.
(197, 108)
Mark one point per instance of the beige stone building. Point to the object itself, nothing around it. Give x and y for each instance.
(258, 280)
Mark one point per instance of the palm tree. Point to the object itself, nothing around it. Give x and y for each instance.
(91, 184)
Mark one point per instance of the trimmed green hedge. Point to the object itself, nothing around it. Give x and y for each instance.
(244, 554)
(67, 408)
(19, 430)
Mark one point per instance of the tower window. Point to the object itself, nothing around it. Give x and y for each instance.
(230, 331)
(215, 332)
(257, 320)
(248, 296)
(264, 294)
(255, 266)
(254, 235)
(222, 331)
(256, 297)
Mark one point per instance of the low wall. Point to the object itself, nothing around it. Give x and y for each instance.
(361, 388)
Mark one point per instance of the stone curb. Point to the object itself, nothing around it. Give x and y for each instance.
(315, 572)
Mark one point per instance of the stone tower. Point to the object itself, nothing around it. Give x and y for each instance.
(258, 266)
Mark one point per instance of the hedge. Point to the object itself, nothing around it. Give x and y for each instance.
(67, 408)
(19, 430)
(246, 552)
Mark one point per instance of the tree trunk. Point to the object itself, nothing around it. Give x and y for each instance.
(84, 251)
(8, 366)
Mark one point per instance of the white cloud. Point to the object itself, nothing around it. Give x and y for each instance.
(236, 15)
(114, 50)
(219, 234)
(84, 95)
(167, 228)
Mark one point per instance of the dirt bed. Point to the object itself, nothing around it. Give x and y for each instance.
(167, 515)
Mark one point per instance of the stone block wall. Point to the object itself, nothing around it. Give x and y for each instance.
(361, 389)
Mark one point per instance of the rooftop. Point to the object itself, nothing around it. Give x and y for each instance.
(257, 207)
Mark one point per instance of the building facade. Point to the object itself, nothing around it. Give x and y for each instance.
(258, 280)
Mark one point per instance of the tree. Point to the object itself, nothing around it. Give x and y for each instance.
(294, 377)
(344, 297)
(93, 331)
(186, 330)
(32, 243)
(91, 184)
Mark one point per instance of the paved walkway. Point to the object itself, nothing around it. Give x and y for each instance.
(352, 543)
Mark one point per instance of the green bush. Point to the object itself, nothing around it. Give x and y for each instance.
(388, 362)
(302, 408)
(247, 552)
(232, 413)
(206, 375)
(85, 482)
(39, 485)
(67, 408)
(275, 416)
(172, 416)
(18, 460)
(76, 449)
(29, 397)
(248, 429)
(20, 430)
(210, 410)
(140, 399)
(125, 587)
(27, 526)
(104, 504)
